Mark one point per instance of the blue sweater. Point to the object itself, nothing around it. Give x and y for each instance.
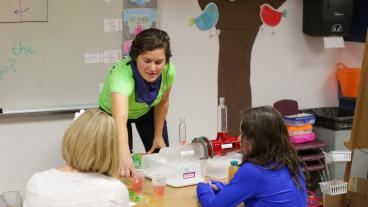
(256, 187)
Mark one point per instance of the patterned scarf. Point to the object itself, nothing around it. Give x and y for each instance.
(145, 92)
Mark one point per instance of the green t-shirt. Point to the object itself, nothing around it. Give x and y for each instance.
(120, 79)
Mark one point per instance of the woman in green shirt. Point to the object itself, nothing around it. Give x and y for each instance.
(137, 90)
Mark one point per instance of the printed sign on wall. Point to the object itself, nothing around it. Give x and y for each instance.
(138, 15)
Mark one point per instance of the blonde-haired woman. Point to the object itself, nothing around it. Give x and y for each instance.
(90, 149)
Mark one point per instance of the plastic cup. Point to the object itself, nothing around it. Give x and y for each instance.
(137, 181)
(158, 185)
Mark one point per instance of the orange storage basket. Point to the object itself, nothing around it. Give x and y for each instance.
(349, 80)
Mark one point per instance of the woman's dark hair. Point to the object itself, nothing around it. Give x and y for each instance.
(264, 129)
(148, 40)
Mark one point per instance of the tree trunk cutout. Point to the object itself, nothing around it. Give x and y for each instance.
(239, 23)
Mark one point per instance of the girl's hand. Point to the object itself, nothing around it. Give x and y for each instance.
(158, 143)
(217, 186)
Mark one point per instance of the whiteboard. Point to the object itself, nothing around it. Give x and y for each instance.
(42, 54)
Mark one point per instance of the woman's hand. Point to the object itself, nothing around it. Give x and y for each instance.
(158, 143)
(126, 165)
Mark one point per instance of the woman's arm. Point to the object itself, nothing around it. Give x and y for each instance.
(119, 111)
(160, 113)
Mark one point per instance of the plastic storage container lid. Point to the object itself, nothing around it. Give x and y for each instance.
(299, 119)
(234, 162)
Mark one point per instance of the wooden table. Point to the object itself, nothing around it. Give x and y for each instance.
(178, 197)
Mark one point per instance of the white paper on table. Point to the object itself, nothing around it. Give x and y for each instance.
(333, 42)
(92, 57)
(112, 25)
(111, 56)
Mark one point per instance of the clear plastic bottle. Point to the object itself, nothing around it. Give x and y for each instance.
(232, 169)
(221, 119)
(182, 131)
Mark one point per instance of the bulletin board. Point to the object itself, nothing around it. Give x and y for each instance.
(54, 54)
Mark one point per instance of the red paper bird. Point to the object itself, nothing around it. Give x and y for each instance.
(270, 16)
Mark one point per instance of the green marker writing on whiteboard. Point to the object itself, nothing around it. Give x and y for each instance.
(21, 49)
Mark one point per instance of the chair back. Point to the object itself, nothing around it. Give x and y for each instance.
(286, 107)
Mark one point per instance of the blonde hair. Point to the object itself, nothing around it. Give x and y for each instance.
(90, 143)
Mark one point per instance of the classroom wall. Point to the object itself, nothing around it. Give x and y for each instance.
(28, 145)
(289, 64)
(285, 65)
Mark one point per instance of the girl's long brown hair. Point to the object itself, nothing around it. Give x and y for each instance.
(264, 129)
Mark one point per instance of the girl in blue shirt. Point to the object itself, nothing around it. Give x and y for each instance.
(270, 174)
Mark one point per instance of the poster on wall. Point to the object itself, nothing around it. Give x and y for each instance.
(138, 15)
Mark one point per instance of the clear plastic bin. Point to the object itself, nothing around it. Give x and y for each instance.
(335, 187)
(217, 167)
